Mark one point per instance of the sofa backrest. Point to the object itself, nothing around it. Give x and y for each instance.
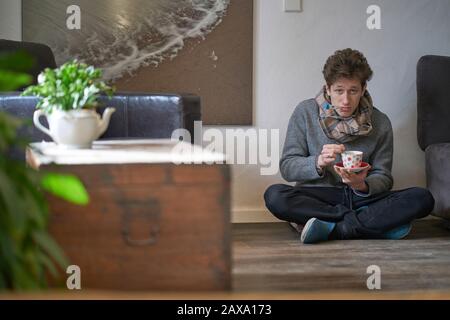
(433, 100)
(41, 53)
(138, 115)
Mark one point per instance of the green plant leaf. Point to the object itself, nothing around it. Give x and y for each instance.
(26, 249)
(67, 187)
(10, 80)
(19, 61)
(48, 263)
(10, 196)
(73, 85)
(51, 247)
(8, 130)
(8, 253)
(24, 279)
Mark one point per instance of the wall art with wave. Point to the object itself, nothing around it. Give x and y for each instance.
(203, 47)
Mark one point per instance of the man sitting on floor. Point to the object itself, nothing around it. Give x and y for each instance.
(331, 201)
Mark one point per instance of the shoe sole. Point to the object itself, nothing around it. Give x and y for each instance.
(407, 233)
(306, 228)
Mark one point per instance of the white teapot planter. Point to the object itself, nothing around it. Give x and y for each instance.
(75, 129)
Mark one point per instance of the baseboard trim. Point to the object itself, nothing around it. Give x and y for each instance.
(252, 215)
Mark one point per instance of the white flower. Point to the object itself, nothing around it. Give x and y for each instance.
(91, 90)
(76, 98)
(41, 78)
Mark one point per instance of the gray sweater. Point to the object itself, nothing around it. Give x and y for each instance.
(304, 141)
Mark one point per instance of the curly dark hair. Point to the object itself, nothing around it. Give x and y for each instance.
(347, 63)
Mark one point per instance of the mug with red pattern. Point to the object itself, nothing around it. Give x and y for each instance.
(352, 159)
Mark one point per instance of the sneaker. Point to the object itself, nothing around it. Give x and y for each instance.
(316, 230)
(398, 233)
(297, 227)
(394, 234)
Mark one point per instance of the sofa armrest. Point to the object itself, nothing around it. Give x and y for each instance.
(438, 177)
(433, 100)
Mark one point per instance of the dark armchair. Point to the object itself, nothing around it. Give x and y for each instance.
(433, 127)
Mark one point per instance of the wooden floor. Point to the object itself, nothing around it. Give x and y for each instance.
(269, 262)
(270, 257)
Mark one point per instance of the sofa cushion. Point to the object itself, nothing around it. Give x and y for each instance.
(437, 160)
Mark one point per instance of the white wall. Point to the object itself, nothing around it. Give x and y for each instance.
(290, 50)
(10, 19)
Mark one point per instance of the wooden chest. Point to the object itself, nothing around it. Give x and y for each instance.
(148, 226)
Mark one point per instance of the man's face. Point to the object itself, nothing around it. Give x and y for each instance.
(345, 95)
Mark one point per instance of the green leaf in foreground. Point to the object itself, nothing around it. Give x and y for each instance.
(51, 247)
(19, 61)
(11, 80)
(67, 187)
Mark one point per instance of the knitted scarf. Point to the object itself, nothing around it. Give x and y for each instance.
(345, 129)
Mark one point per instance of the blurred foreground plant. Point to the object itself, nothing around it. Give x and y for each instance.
(28, 254)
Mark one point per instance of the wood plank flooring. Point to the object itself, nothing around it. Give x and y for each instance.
(270, 257)
(269, 262)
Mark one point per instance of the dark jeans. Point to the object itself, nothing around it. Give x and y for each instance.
(385, 211)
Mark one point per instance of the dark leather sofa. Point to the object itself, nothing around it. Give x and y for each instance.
(433, 127)
(138, 115)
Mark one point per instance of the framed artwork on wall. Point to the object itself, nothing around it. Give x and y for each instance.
(203, 47)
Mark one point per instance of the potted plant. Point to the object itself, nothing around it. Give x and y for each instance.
(68, 96)
(28, 254)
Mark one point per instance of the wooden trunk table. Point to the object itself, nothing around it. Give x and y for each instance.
(150, 224)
